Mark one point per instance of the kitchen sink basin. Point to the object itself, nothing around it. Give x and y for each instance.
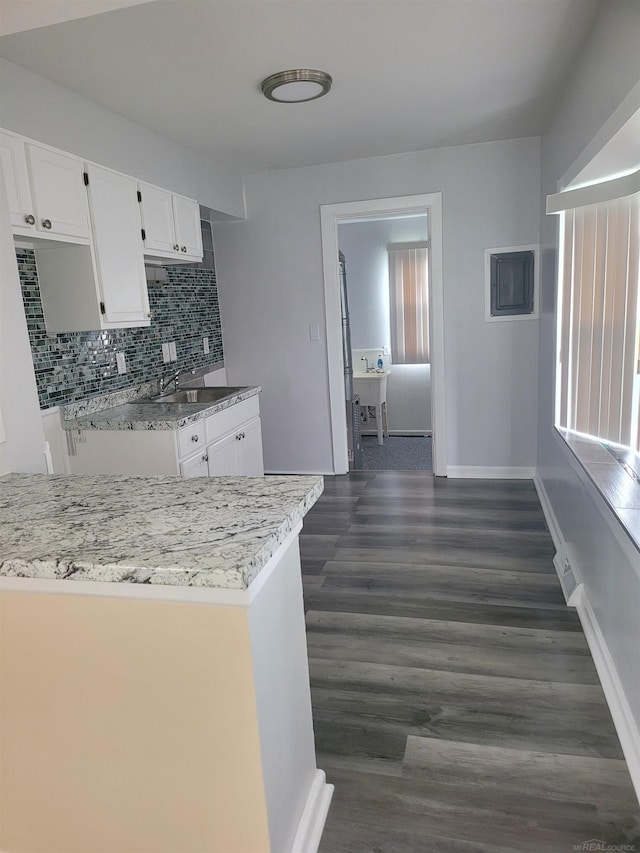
(194, 395)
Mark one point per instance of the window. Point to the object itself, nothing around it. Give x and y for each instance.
(597, 381)
(409, 302)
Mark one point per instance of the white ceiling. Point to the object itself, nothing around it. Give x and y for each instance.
(408, 74)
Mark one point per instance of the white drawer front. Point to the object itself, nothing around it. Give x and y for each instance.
(229, 419)
(190, 438)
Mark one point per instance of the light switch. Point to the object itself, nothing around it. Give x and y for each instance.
(166, 355)
(314, 332)
(205, 345)
(172, 351)
(121, 362)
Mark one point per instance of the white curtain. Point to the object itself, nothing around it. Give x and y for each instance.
(600, 321)
(409, 303)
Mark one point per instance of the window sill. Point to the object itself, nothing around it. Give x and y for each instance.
(616, 475)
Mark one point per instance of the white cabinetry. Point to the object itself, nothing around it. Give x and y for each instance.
(186, 214)
(47, 196)
(13, 158)
(226, 443)
(115, 218)
(195, 466)
(102, 285)
(171, 225)
(239, 452)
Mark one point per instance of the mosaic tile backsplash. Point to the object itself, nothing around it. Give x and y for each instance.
(76, 365)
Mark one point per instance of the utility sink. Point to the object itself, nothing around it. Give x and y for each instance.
(194, 395)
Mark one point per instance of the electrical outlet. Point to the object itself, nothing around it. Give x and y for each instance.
(205, 345)
(166, 355)
(121, 362)
(172, 351)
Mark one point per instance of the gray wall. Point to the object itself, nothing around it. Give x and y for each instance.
(38, 108)
(607, 71)
(270, 281)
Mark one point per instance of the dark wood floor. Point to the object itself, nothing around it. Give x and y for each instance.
(456, 706)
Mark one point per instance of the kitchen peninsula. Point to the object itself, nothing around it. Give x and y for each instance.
(155, 688)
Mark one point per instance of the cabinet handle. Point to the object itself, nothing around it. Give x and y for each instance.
(30, 219)
(205, 457)
(238, 436)
(184, 249)
(194, 438)
(46, 223)
(176, 247)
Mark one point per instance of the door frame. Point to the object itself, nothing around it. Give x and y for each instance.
(330, 216)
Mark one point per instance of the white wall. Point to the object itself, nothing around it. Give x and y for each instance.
(47, 112)
(23, 447)
(604, 76)
(270, 282)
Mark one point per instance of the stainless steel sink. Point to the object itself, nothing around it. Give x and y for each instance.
(194, 395)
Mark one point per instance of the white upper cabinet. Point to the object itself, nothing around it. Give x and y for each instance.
(57, 184)
(171, 225)
(115, 220)
(47, 196)
(100, 285)
(156, 207)
(186, 214)
(13, 159)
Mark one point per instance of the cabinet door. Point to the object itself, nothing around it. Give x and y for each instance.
(186, 212)
(195, 466)
(223, 457)
(157, 219)
(250, 450)
(115, 217)
(59, 193)
(13, 159)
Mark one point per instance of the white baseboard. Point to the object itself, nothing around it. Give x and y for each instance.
(623, 719)
(309, 832)
(549, 514)
(564, 560)
(489, 472)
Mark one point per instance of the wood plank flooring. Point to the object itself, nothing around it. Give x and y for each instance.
(456, 705)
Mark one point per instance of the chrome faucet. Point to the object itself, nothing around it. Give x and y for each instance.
(173, 377)
(366, 361)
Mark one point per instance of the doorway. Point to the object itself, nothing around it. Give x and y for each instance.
(336, 220)
(385, 261)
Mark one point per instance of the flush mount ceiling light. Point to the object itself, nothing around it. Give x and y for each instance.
(296, 86)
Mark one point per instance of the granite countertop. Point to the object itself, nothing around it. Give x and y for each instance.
(214, 532)
(134, 415)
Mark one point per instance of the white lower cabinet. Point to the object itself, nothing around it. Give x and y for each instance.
(226, 443)
(222, 457)
(249, 447)
(195, 466)
(234, 441)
